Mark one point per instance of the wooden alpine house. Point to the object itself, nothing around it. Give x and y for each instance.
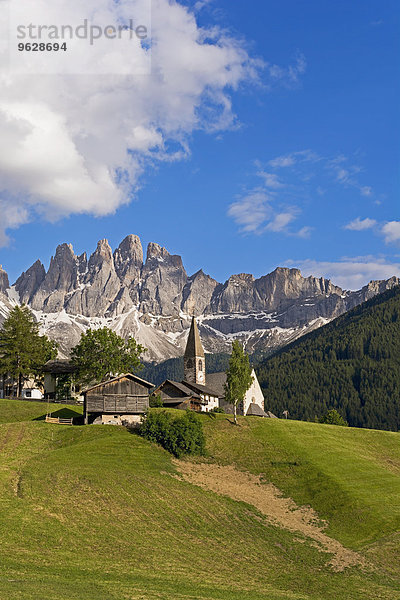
(120, 400)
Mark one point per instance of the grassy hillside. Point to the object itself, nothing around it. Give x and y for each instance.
(352, 364)
(98, 513)
(15, 410)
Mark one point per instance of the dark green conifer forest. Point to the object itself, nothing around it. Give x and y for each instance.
(352, 365)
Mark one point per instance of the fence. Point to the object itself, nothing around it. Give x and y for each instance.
(59, 420)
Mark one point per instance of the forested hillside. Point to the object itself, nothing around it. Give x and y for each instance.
(352, 364)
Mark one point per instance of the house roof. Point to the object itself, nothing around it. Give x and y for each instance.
(194, 346)
(59, 366)
(188, 392)
(203, 389)
(129, 375)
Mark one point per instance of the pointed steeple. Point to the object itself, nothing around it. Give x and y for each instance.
(194, 359)
(194, 346)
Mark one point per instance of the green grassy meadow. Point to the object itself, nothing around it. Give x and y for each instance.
(98, 513)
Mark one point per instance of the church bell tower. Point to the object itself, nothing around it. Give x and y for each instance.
(194, 359)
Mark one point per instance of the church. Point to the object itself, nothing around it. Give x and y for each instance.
(201, 392)
(192, 392)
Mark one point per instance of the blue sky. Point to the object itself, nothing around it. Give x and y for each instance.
(302, 172)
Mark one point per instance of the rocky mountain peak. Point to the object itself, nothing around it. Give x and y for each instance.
(197, 293)
(241, 279)
(128, 263)
(60, 279)
(163, 280)
(236, 295)
(29, 282)
(103, 252)
(100, 260)
(4, 283)
(377, 287)
(287, 272)
(63, 251)
(128, 260)
(130, 250)
(156, 251)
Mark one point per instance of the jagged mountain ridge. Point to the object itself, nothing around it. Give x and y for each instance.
(154, 299)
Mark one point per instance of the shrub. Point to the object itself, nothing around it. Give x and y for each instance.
(217, 409)
(179, 434)
(332, 417)
(156, 401)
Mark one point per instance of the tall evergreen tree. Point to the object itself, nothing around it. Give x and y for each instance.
(101, 353)
(239, 378)
(23, 352)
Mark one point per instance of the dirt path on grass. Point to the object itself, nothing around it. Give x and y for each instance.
(6, 437)
(245, 487)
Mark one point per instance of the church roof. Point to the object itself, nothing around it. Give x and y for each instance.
(194, 346)
(217, 382)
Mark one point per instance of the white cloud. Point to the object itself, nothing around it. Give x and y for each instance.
(294, 158)
(257, 212)
(366, 190)
(272, 206)
(251, 211)
(304, 232)
(289, 75)
(74, 144)
(200, 4)
(271, 180)
(349, 273)
(280, 222)
(338, 168)
(391, 232)
(282, 161)
(346, 173)
(361, 224)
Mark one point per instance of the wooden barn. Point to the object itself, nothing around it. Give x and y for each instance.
(120, 400)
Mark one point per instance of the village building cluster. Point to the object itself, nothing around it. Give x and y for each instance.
(124, 399)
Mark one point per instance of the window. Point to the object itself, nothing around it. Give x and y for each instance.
(28, 394)
(200, 365)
